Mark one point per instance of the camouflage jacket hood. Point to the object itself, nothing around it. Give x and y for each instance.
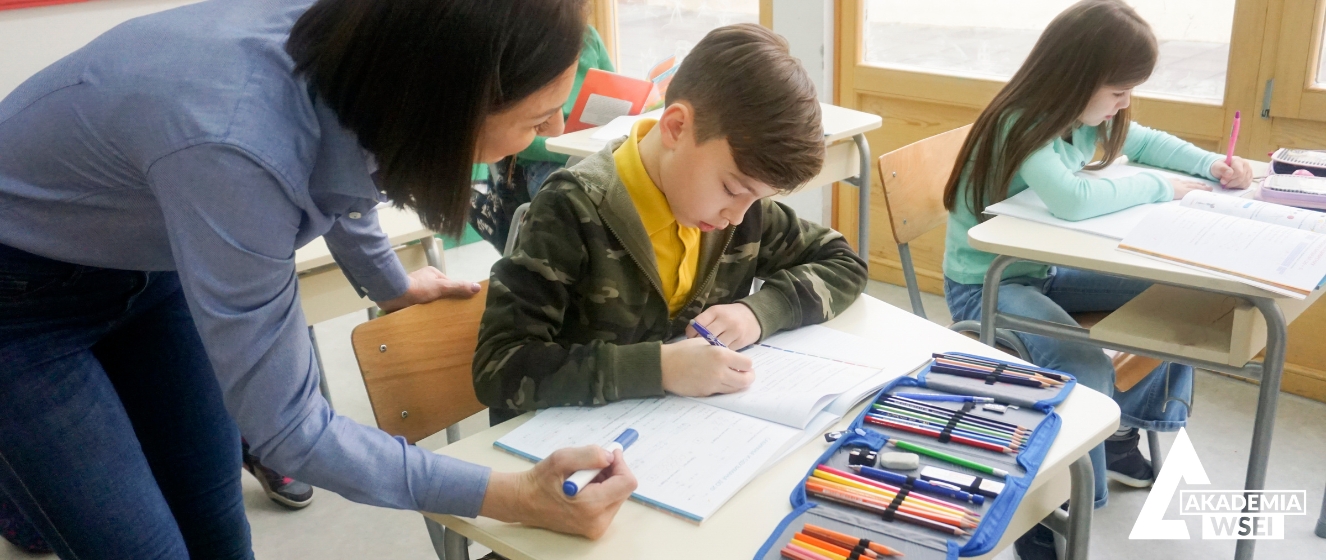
(576, 315)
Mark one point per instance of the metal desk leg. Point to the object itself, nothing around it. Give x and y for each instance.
(990, 297)
(1263, 428)
(1321, 520)
(862, 183)
(1082, 499)
(433, 254)
(323, 387)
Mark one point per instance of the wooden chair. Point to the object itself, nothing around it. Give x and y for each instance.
(914, 178)
(416, 367)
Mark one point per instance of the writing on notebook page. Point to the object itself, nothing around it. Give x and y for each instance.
(791, 387)
(690, 457)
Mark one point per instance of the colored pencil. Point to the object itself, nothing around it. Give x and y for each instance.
(933, 418)
(797, 553)
(890, 477)
(846, 539)
(882, 500)
(1001, 378)
(1007, 366)
(988, 369)
(935, 429)
(825, 545)
(851, 479)
(946, 398)
(912, 428)
(822, 553)
(973, 465)
(854, 500)
(945, 412)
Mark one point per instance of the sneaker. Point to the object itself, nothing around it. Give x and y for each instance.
(283, 490)
(17, 530)
(1036, 544)
(1124, 461)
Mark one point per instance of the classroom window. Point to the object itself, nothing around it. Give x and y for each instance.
(990, 39)
(649, 31)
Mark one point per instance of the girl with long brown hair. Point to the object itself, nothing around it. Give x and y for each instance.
(1067, 102)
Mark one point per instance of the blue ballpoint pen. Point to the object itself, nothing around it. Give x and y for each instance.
(704, 333)
(922, 485)
(944, 398)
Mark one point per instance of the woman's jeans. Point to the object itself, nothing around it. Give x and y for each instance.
(1065, 291)
(113, 439)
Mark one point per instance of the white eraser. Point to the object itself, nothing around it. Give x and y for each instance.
(900, 461)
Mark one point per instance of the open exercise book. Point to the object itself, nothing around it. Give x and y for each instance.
(1277, 248)
(696, 453)
(1028, 205)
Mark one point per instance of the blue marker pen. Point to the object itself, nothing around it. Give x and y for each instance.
(577, 481)
(704, 333)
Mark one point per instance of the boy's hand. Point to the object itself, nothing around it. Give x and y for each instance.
(694, 368)
(1237, 177)
(535, 497)
(734, 324)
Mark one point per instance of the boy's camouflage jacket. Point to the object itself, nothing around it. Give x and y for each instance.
(575, 315)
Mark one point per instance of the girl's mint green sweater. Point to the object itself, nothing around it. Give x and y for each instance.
(1050, 171)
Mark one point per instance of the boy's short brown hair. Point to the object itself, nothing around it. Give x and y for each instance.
(745, 86)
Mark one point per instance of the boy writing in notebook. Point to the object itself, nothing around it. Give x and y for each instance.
(622, 251)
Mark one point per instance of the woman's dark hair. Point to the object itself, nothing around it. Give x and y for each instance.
(1092, 44)
(414, 79)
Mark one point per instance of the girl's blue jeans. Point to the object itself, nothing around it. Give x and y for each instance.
(1067, 290)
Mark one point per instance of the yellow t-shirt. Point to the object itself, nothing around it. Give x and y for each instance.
(676, 247)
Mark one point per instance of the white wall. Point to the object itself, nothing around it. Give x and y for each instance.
(33, 38)
(808, 27)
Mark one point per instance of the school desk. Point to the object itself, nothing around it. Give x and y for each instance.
(324, 292)
(846, 159)
(1188, 316)
(743, 524)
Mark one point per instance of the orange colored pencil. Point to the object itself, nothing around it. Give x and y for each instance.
(817, 550)
(894, 489)
(887, 496)
(831, 547)
(798, 553)
(831, 488)
(846, 539)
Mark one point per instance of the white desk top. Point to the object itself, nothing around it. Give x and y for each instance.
(743, 524)
(839, 124)
(1004, 235)
(401, 226)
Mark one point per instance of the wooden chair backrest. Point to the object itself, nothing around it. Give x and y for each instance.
(416, 365)
(914, 177)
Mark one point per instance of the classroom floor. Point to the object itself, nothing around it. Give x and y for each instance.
(335, 528)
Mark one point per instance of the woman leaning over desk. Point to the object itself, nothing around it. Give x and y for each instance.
(154, 186)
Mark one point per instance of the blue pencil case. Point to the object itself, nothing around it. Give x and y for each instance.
(888, 424)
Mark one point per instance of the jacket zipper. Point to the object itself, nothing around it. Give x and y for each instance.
(657, 287)
(712, 273)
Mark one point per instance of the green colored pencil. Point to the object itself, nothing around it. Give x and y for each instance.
(949, 458)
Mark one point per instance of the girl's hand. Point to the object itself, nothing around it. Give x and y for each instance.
(1237, 177)
(1184, 186)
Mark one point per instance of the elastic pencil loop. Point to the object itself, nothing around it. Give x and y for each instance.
(856, 553)
(863, 543)
(896, 503)
(946, 434)
(967, 407)
(975, 487)
(994, 375)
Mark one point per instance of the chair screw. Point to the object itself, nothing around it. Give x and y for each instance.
(405, 414)
(382, 348)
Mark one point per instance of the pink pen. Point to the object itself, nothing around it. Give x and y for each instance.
(1233, 139)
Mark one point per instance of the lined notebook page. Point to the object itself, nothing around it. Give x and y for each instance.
(690, 458)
